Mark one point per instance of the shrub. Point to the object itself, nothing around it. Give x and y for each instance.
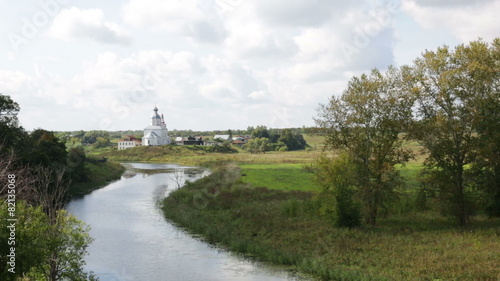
(337, 177)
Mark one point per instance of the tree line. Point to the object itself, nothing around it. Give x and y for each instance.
(49, 243)
(447, 101)
(264, 139)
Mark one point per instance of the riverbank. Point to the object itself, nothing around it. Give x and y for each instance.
(284, 227)
(99, 174)
(195, 155)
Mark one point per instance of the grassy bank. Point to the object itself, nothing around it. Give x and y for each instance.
(284, 227)
(200, 155)
(99, 174)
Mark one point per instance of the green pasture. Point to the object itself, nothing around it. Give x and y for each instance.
(278, 176)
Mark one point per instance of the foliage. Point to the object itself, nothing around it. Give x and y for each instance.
(90, 137)
(76, 164)
(280, 139)
(8, 111)
(12, 136)
(258, 145)
(293, 141)
(98, 174)
(337, 197)
(44, 250)
(46, 149)
(487, 165)
(452, 88)
(366, 121)
(30, 227)
(101, 142)
(68, 240)
(283, 228)
(260, 132)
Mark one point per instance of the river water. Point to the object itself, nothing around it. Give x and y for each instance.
(134, 242)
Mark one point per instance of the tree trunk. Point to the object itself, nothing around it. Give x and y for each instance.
(53, 267)
(461, 211)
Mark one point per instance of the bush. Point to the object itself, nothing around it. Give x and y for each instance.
(337, 177)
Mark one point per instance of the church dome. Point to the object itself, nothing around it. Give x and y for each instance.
(156, 115)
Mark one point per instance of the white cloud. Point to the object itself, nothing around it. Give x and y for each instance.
(267, 62)
(75, 23)
(13, 81)
(196, 19)
(298, 12)
(466, 20)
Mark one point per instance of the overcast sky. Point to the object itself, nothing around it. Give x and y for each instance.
(211, 64)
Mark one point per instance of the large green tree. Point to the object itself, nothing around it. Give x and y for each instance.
(366, 120)
(43, 250)
(486, 71)
(452, 89)
(46, 149)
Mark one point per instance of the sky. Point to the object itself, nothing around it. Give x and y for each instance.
(211, 64)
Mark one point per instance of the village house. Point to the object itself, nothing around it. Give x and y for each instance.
(189, 141)
(240, 140)
(128, 142)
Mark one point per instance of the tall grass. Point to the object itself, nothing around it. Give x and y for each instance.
(285, 228)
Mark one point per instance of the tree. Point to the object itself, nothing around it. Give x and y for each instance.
(29, 244)
(12, 136)
(90, 137)
(337, 177)
(293, 140)
(101, 142)
(8, 110)
(260, 132)
(487, 165)
(68, 240)
(46, 149)
(366, 121)
(452, 88)
(44, 250)
(258, 145)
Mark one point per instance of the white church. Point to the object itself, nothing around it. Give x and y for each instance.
(157, 133)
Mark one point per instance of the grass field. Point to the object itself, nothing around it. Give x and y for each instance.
(284, 227)
(278, 176)
(199, 155)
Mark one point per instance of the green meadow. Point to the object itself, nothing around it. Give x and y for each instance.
(278, 176)
(283, 226)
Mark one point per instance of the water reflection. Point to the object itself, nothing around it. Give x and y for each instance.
(133, 241)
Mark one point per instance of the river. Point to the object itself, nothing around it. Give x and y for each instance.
(134, 242)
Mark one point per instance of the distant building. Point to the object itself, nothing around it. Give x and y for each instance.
(189, 141)
(179, 140)
(128, 142)
(157, 133)
(222, 137)
(240, 140)
(193, 141)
